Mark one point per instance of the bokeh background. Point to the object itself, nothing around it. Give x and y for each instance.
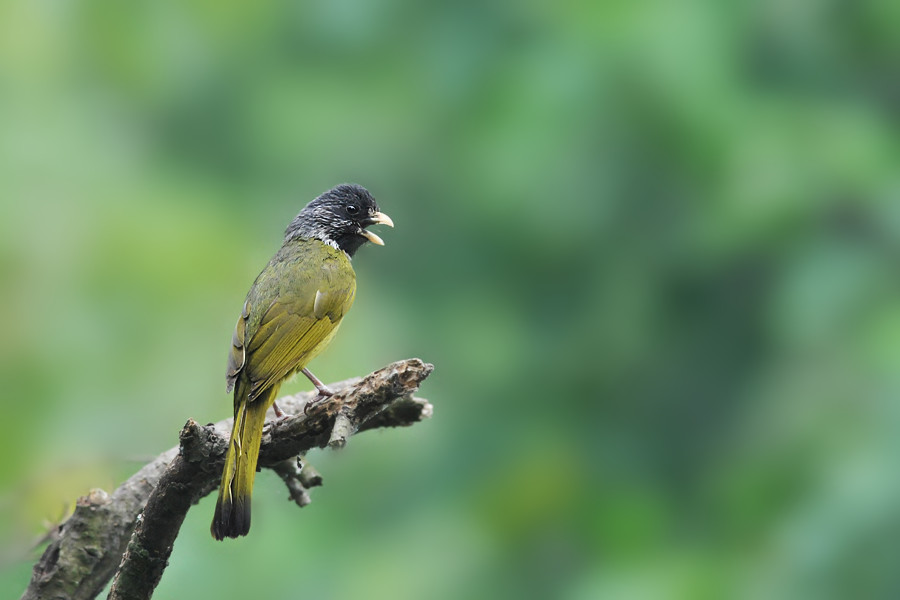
(652, 249)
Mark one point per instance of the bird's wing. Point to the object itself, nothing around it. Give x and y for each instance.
(238, 354)
(300, 319)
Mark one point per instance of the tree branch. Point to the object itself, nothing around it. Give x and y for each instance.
(141, 519)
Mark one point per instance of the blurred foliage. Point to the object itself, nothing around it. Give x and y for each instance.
(651, 247)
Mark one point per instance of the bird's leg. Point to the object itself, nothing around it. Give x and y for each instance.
(279, 414)
(324, 392)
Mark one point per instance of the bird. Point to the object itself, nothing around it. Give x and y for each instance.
(292, 311)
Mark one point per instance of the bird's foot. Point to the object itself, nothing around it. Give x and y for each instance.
(324, 393)
(323, 390)
(280, 417)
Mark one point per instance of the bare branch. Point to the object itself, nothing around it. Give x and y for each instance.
(290, 472)
(139, 522)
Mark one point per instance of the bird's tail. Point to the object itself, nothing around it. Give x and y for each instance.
(232, 516)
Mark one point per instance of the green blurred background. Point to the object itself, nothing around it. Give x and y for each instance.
(652, 249)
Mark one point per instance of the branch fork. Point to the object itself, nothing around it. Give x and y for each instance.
(130, 533)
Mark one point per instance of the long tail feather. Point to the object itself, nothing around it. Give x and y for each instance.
(232, 516)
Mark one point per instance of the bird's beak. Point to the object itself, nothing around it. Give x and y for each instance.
(372, 237)
(378, 218)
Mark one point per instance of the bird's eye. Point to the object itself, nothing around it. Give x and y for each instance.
(352, 209)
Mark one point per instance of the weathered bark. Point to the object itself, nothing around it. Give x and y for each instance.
(135, 527)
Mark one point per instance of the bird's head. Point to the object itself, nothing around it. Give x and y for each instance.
(339, 218)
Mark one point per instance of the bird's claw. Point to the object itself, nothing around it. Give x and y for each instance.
(324, 394)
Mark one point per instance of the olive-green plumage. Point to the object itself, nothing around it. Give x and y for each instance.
(291, 313)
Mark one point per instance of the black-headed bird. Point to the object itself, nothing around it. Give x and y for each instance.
(292, 311)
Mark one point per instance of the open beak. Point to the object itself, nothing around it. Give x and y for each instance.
(378, 218)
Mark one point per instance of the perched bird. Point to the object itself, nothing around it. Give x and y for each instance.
(291, 313)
